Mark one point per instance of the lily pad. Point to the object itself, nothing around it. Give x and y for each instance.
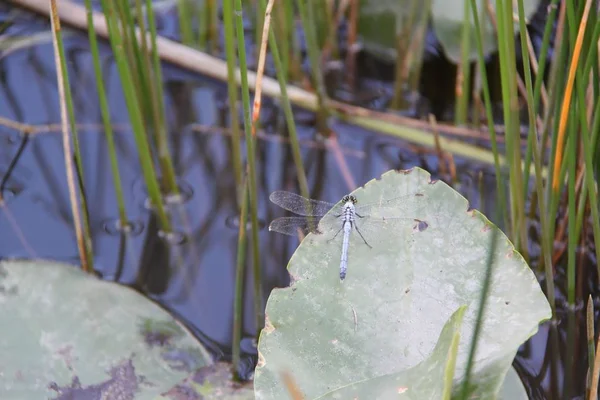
(381, 21)
(387, 315)
(430, 379)
(66, 334)
(448, 17)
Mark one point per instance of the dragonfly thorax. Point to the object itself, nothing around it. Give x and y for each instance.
(349, 211)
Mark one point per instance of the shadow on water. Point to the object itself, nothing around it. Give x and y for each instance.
(192, 272)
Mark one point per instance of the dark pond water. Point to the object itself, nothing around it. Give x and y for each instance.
(191, 275)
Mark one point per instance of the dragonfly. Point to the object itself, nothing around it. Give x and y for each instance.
(345, 217)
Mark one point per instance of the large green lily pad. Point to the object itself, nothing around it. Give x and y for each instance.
(387, 315)
(448, 19)
(66, 334)
(430, 379)
(381, 21)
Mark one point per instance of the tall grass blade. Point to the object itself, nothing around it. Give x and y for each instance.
(158, 111)
(135, 115)
(485, 288)
(538, 154)
(105, 113)
(502, 203)
(287, 109)
(251, 166)
(510, 101)
(405, 28)
(539, 83)
(185, 26)
(571, 260)
(234, 122)
(238, 301)
(307, 15)
(589, 186)
(81, 222)
(564, 112)
(463, 73)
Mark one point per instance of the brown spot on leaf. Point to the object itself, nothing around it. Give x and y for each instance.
(122, 385)
(183, 359)
(65, 352)
(182, 392)
(268, 325)
(261, 361)
(212, 381)
(159, 333)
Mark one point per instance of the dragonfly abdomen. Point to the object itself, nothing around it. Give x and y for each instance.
(348, 218)
(345, 245)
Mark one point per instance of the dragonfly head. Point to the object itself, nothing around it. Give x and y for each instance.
(349, 198)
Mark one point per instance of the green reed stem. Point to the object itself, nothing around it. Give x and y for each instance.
(135, 116)
(185, 26)
(308, 23)
(537, 153)
(105, 112)
(489, 115)
(589, 184)
(506, 50)
(557, 84)
(588, 138)
(280, 25)
(86, 255)
(77, 150)
(287, 110)
(203, 17)
(294, 69)
(213, 25)
(403, 40)
(251, 165)
(147, 81)
(236, 151)
(259, 23)
(417, 49)
(485, 288)
(571, 260)
(132, 52)
(156, 87)
(464, 70)
(539, 81)
(238, 302)
(330, 39)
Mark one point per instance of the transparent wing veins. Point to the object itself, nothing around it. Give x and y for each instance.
(300, 205)
(394, 208)
(291, 225)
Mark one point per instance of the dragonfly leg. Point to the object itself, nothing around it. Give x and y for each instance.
(362, 237)
(337, 233)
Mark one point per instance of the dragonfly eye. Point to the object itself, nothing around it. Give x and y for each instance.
(346, 199)
(352, 199)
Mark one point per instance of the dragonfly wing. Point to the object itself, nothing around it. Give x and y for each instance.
(300, 205)
(395, 208)
(292, 225)
(389, 214)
